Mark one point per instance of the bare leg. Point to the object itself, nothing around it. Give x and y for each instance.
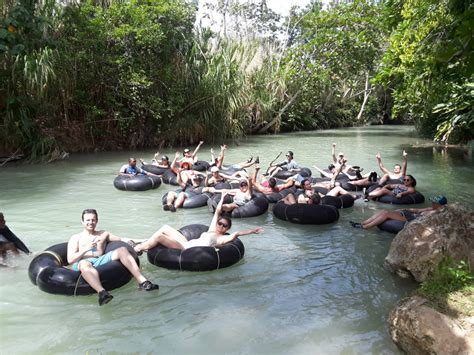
(380, 192)
(171, 197)
(166, 236)
(91, 275)
(129, 262)
(384, 179)
(289, 199)
(180, 200)
(229, 207)
(338, 190)
(272, 171)
(382, 217)
(362, 182)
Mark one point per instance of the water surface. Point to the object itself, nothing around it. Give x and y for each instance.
(299, 289)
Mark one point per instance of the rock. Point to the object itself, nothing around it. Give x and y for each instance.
(418, 329)
(418, 248)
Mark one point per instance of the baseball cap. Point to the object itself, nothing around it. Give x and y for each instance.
(197, 177)
(214, 169)
(441, 200)
(186, 150)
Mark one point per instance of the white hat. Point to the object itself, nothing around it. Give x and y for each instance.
(214, 169)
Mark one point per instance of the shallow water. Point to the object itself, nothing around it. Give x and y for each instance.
(299, 289)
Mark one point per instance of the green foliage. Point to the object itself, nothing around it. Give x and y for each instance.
(334, 51)
(449, 277)
(429, 63)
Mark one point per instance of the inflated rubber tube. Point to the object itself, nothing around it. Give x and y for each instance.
(11, 237)
(154, 169)
(194, 201)
(229, 170)
(306, 214)
(348, 186)
(392, 226)
(137, 182)
(201, 165)
(344, 201)
(47, 271)
(169, 177)
(197, 258)
(255, 207)
(285, 174)
(411, 199)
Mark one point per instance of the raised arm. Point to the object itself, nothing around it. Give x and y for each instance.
(220, 158)
(197, 149)
(405, 163)
(379, 162)
(228, 238)
(173, 163)
(333, 153)
(325, 173)
(217, 213)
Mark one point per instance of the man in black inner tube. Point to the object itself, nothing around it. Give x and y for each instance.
(85, 251)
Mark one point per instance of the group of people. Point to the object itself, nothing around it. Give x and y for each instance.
(86, 250)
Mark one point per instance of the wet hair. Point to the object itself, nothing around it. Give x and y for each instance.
(187, 164)
(227, 219)
(315, 198)
(165, 157)
(331, 166)
(132, 159)
(91, 211)
(413, 180)
(303, 182)
(272, 182)
(290, 153)
(397, 165)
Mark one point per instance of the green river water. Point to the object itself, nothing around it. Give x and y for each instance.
(298, 290)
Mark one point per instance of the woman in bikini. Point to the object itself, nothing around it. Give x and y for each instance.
(214, 237)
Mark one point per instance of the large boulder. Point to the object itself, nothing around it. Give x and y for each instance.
(418, 248)
(419, 329)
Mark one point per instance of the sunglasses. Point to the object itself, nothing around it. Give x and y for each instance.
(407, 179)
(225, 225)
(243, 184)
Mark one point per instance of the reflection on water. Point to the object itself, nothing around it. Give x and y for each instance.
(299, 289)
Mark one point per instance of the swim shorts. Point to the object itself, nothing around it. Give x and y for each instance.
(101, 260)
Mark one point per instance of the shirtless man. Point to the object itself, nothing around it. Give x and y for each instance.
(85, 251)
(398, 171)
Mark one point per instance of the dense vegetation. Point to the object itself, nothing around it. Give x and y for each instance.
(140, 73)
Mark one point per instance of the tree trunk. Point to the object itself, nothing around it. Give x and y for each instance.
(278, 116)
(366, 96)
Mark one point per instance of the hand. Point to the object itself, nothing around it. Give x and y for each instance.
(399, 195)
(258, 230)
(405, 154)
(177, 154)
(257, 166)
(223, 147)
(212, 151)
(377, 156)
(334, 145)
(201, 142)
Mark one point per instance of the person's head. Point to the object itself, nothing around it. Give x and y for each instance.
(438, 201)
(215, 171)
(409, 180)
(289, 155)
(224, 223)
(165, 159)
(306, 184)
(185, 165)
(397, 168)
(272, 182)
(2, 220)
(340, 156)
(331, 168)
(315, 199)
(132, 161)
(89, 219)
(186, 152)
(196, 180)
(243, 185)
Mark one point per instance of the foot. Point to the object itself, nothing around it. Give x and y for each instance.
(356, 197)
(257, 160)
(249, 160)
(141, 161)
(172, 208)
(355, 224)
(104, 297)
(166, 207)
(135, 247)
(148, 286)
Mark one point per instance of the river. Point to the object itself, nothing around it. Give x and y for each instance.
(298, 290)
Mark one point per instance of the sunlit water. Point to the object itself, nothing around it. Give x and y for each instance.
(298, 290)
